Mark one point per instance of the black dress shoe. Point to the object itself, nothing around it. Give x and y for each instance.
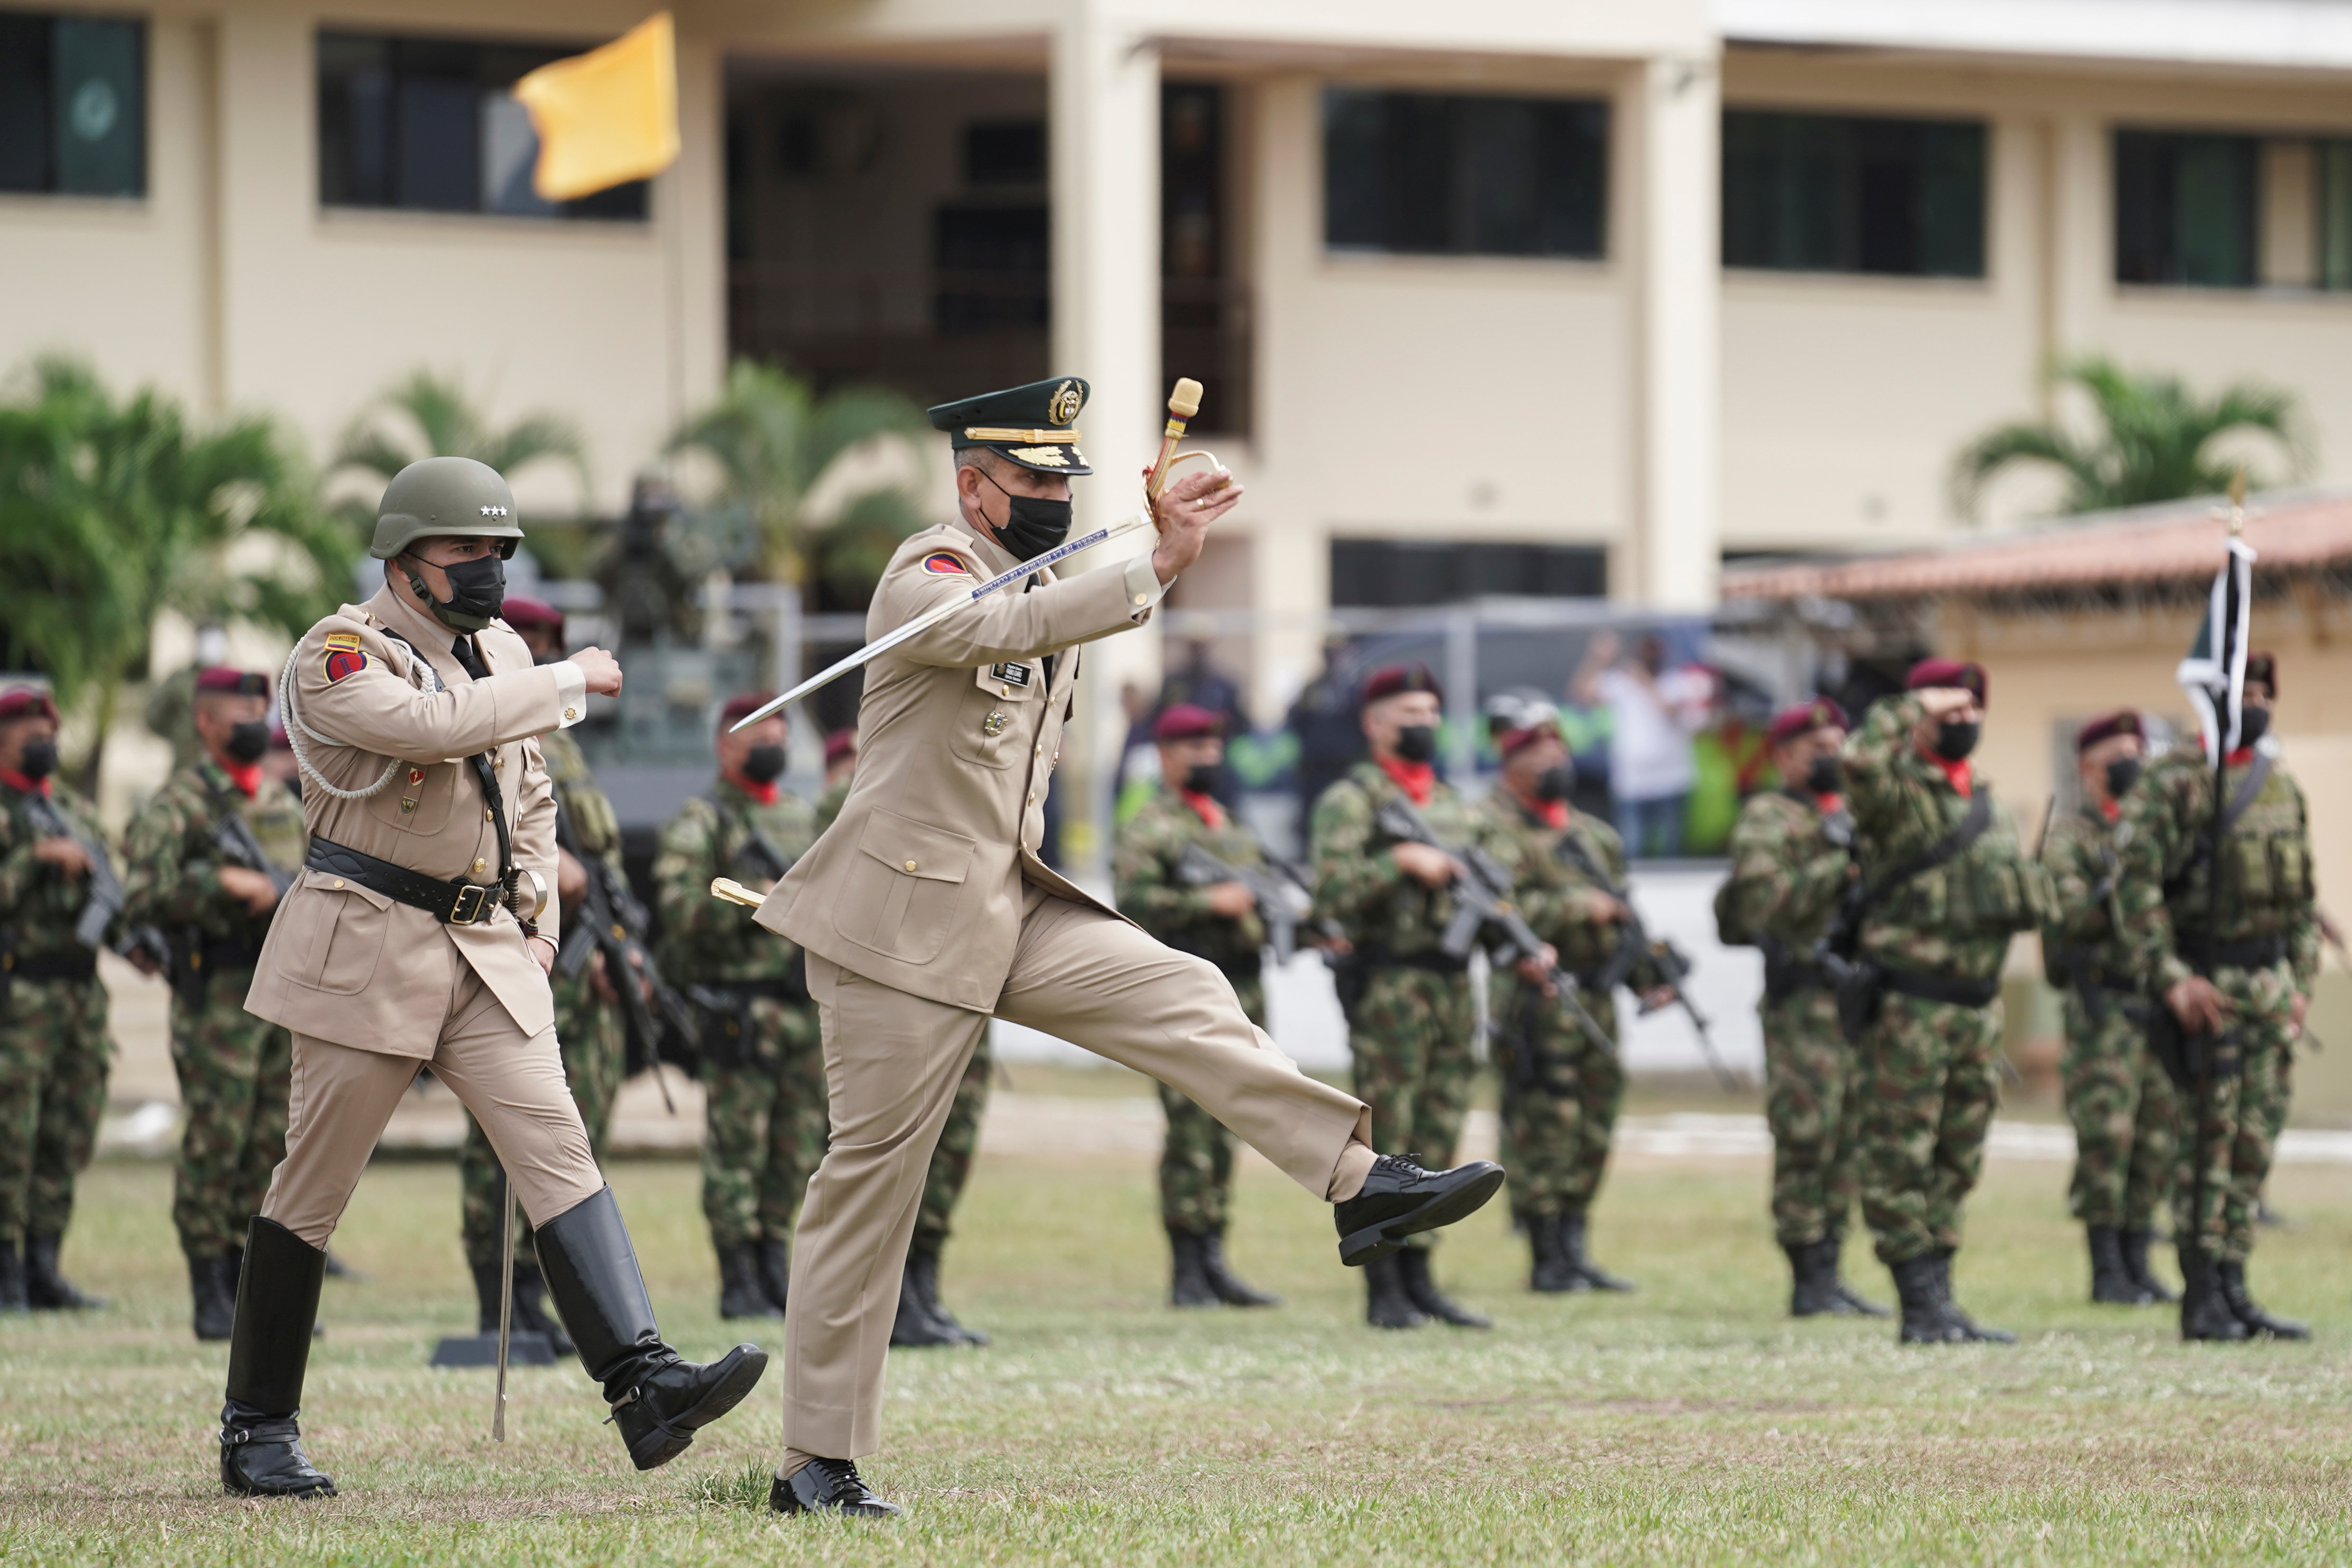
(670, 1399)
(1400, 1199)
(261, 1455)
(828, 1486)
(1420, 1290)
(46, 1290)
(1230, 1287)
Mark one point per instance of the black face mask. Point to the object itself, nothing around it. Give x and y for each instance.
(764, 764)
(1033, 525)
(1824, 775)
(1956, 738)
(2253, 723)
(1554, 783)
(38, 759)
(477, 592)
(2121, 774)
(247, 740)
(1417, 743)
(1202, 778)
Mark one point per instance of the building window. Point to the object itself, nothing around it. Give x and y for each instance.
(1397, 574)
(427, 125)
(2187, 211)
(1447, 175)
(73, 105)
(2332, 180)
(1823, 192)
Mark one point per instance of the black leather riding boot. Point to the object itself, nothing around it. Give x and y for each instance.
(268, 1351)
(2135, 1250)
(1230, 1287)
(2111, 1282)
(1420, 1290)
(658, 1400)
(1188, 1283)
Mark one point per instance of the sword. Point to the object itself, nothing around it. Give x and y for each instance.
(1182, 404)
(506, 1303)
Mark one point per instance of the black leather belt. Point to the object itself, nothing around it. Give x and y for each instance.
(62, 966)
(1939, 989)
(453, 903)
(2255, 953)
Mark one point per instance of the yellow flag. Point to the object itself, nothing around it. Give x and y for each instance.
(606, 117)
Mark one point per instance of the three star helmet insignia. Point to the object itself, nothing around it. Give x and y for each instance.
(494, 511)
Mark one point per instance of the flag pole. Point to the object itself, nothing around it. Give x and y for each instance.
(2226, 722)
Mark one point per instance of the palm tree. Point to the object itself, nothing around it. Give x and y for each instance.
(429, 415)
(111, 513)
(2154, 443)
(770, 438)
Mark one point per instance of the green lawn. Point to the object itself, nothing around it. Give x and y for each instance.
(1692, 1422)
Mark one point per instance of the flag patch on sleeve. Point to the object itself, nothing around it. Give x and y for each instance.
(341, 662)
(939, 563)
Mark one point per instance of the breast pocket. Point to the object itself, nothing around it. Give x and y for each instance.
(347, 925)
(417, 799)
(900, 896)
(998, 714)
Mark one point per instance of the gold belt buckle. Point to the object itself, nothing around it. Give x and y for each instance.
(464, 913)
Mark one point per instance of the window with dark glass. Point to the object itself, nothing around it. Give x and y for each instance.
(2186, 208)
(2332, 211)
(1844, 193)
(1462, 174)
(73, 105)
(429, 125)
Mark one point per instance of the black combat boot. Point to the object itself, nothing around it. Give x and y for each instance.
(1552, 1273)
(2243, 1307)
(658, 1399)
(1230, 1287)
(530, 1313)
(776, 1270)
(268, 1351)
(923, 1269)
(1833, 1246)
(1920, 1293)
(1813, 1281)
(740, 1295)
(2111, 1282)
(46, 1290)
(2135, 1250)
(12, 1277)
(212, 1287)
(1965, 1329)
(2204, 1314)
(1188, 1282)
(829, 1486)
(915, 1327)
(1386, 1306)
(1571, 1240)
(1420, 1290)
(1399, 1200)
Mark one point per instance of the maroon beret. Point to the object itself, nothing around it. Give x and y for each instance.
(841, 743)
(17, 701)
(1510, 741)
(236, 682)
(1186, 721)
(2264, 667)
(1392, 679)
(1960, 673)
(2123, 721)
(522, 614)
(743, 705)
(1803, 718)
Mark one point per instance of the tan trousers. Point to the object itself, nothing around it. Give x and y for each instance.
(891, 1064)
(511, 1082)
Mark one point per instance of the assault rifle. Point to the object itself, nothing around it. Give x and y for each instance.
(104, 904)
(1279, 890)
(232, 836)
(614, 921)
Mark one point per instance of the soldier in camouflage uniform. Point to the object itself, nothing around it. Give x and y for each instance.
(1411, 1017)
(211, 889)
(1934, 942)
(1216, 921)
(589, 1035)
(2117, 1094)
(1562, 1086)
(1791, 864)
(2237, 959)
(923, 1318)
(765, 1092)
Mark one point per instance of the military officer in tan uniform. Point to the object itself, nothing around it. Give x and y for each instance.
(925, 909)
(420, 933)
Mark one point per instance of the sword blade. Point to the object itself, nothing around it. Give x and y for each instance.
(505, 1304)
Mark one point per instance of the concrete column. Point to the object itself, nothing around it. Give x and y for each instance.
(1104, 98)
(1673, 110)
(690, 208)
(2081, 255)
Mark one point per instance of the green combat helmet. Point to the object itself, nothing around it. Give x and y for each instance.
(458, 497)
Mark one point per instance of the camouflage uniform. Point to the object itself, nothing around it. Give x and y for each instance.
(765, 1116)
(1410, 1017)
(233, 1068)
(2117, 1093)
(54, 1046)
(1196, 1161)
(2259, 943)
(1787, 880)
(1929, 1081)
(590, 1034)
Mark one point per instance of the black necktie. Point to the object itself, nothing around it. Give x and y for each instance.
(463, 648)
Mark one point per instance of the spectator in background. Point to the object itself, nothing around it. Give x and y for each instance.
(1328, 721)
(1199, 682)
(1731, 761)
(1654, 714)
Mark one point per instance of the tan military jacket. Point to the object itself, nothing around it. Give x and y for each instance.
(345, 963)
(917, 884)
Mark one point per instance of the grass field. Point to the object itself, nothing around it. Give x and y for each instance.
(1690, 1423)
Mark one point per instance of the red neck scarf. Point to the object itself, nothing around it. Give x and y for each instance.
(1963, 778)
(246, 776)
(22, 785)
(1417, 779)
(1205, 807)
(760, 794)
(2110, 811)
(1550, 813)
(2242, 757)
(1832, 801)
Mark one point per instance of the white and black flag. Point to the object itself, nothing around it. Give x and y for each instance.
(2214, 673)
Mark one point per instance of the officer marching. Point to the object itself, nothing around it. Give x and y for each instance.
(925, 909)
(1218, 921)
(420, 933)
(206, 863)
(2117, 1094)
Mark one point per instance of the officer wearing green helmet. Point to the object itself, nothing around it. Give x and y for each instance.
(420, 933)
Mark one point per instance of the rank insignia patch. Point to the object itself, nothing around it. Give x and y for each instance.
(341, 662)
(939, 563)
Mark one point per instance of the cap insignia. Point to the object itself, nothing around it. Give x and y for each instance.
(1064, 408)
